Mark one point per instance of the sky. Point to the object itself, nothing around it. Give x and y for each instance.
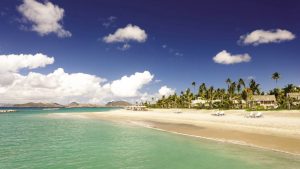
(98, 51)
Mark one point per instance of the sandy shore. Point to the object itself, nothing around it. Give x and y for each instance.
(276, 130)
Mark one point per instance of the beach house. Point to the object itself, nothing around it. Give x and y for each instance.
(136, 108)
(239, 104)
(263, 101)
(198, 102)
(295, 98)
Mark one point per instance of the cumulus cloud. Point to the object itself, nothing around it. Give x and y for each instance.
(128, 86)
(152, 97)
(13, 63)
(60, 86)
(128, 33)
(56, 87)
(45, 17)
(226, 58)
(166, 91)
(267, 36)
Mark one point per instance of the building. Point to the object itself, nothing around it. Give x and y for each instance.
(198, 102)
(136, 108)
(204, 103)
(239, 104)
(263, 101)
(295, 98)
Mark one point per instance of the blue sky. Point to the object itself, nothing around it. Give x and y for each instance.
(193, 33)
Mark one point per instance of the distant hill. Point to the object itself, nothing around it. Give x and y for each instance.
(31, 104)
(117, 104)
(75, 104)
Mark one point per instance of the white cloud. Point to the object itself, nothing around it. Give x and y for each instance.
(171, 50)
(13, 63)
(226, 58)
(109, 21)
(166, 91)
(60, 86)
(56, 87)
(178, 54)
(267, 36)
(45, 17)
(152, 98)
(128, 33)
(125, 46)
(157, 81)
(129, 86)
(250, 77)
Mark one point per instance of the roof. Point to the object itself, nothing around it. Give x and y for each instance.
(294, 95)
(199, 101)
(263, 98)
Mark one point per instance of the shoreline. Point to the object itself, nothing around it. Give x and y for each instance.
(218, 140)
(277, 131)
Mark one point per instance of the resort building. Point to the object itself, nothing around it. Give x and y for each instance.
(263, 101)
(295, 97)
(239, 104)
(136, 108)
(199, 101)
(204, 103)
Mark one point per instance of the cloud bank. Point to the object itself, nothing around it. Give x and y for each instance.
(224, 57)
(60, 86)
(267, 36)
(128, 33)
(45, 17)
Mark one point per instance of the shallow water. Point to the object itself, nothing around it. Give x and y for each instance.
(30, 139)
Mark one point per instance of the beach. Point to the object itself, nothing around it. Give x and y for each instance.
(276, 130)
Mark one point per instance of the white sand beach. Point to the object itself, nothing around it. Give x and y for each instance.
(276, 130)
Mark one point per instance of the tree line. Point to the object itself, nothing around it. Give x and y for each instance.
(235, 91)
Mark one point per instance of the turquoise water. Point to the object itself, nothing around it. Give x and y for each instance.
(30, 139)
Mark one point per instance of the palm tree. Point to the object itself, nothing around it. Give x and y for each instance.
(163, 101)
(194, 85)
(210, 95)
(228, 81)
(233, 87)
(240, 84)
(188, 96)
(276, 76)
(202, 90)
(254, 87)
(289, 88)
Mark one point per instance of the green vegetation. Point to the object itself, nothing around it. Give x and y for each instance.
(234, 97)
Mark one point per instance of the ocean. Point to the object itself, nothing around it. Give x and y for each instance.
(29, 138)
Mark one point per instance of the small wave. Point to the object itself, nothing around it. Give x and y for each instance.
(51, 109)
